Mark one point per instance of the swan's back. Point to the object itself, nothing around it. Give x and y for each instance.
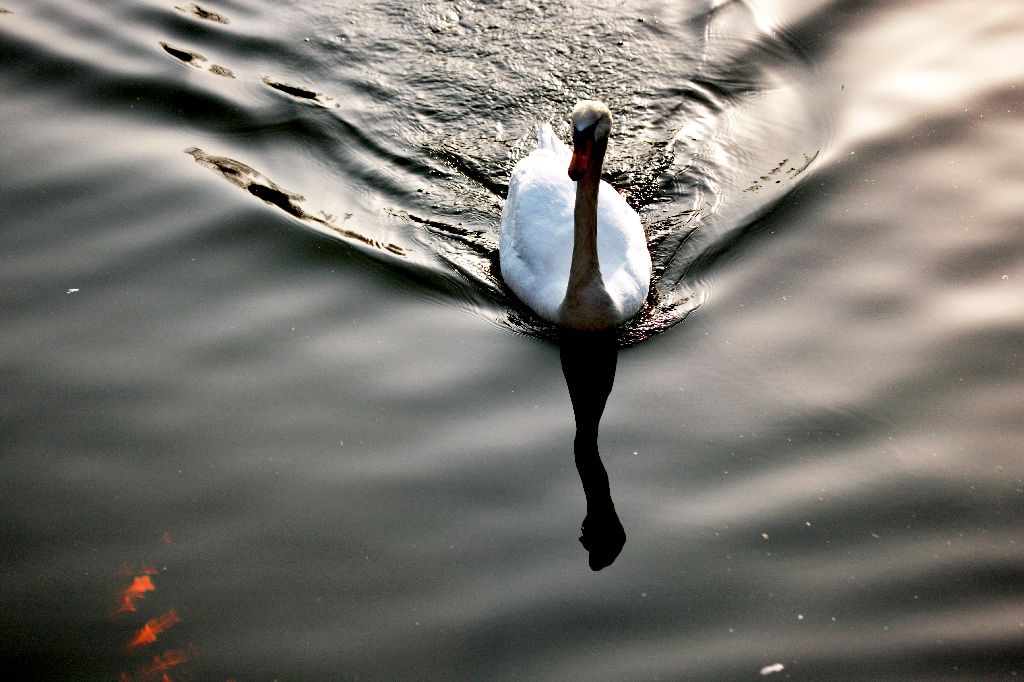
(537, 233)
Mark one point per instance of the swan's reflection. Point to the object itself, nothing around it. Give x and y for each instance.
(588, 363)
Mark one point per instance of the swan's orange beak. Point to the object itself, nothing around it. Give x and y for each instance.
(580, 158)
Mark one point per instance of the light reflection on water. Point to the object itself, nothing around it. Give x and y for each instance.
(363, 457)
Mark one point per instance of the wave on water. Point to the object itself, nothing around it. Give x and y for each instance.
(406, 121)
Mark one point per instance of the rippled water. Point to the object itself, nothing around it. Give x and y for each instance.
(269, 413)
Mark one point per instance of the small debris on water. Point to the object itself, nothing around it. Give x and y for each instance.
(198, 11)
(72, 291)
(773, 668)
(221, 71)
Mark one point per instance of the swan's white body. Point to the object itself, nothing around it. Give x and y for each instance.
(536, 240)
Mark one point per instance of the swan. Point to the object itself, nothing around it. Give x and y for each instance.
(570, 247)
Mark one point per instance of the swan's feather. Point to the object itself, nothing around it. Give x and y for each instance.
(546, 139)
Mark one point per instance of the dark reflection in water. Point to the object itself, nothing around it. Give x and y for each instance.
(588, 364)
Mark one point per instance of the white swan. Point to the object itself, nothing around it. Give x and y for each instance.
(575, 260)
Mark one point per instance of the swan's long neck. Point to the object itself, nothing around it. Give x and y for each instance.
(587, 305)
(585, 266)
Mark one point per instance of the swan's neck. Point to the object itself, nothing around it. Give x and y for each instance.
(587, 305)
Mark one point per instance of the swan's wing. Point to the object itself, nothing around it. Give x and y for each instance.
(537, 231)
(622, 251)
(546, 139)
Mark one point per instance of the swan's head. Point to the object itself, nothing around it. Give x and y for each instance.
(593, 116)
(591, 122)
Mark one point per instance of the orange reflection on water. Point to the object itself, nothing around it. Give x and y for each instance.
(141, 584)
(156, 670)
(153, 627)
(163, 662)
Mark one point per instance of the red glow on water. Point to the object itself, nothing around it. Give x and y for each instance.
(141, 584)
(159, 667)
(166, 661)
(156, 670)
(153, 627)
(144, 636)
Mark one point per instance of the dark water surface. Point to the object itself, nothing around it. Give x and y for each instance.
(268, 413)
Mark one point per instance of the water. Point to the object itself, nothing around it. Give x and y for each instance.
(255, 355)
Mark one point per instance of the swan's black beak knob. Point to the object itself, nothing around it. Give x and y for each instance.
(582, 146)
